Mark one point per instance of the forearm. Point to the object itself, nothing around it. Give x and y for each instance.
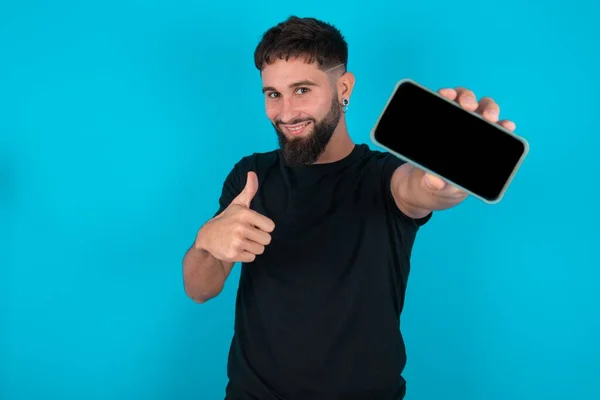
(203, 274)
(416, 198)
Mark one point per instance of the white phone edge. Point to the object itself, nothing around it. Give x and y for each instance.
(508, 180)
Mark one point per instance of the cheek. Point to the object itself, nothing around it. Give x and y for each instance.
(303, 106)
(272, 110)
(324, 107)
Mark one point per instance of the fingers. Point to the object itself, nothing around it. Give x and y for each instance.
(433, 182)
(256, 235)
(466, 98)
(448, 93)
(506, 124)
(251, 247)
(260, 221)
(246, 243)
(441, 187)
(246, 250)
(246, 257)
(242, 249)
(488, 109)
(242, 255)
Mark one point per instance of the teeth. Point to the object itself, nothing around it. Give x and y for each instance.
(298, 127)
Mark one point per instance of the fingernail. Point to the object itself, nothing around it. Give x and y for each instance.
(429, 182)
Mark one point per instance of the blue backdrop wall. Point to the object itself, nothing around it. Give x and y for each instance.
(120, 119)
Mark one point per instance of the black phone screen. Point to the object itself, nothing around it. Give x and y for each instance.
(449, 141)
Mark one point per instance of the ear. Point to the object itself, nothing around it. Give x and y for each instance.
(345, 85)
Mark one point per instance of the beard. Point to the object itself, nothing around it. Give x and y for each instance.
(306, 150)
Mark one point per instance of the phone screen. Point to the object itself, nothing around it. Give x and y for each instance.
(459, 146)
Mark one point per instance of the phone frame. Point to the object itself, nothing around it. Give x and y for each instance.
(497, 126)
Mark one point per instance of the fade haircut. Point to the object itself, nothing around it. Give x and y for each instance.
(309, 38)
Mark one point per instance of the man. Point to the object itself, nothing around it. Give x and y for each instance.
(324, 230)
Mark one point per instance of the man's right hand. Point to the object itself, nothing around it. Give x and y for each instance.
(238, 234)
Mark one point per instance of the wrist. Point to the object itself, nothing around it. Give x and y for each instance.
(200, 244)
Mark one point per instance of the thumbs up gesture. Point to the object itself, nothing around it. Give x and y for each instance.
(238, 234)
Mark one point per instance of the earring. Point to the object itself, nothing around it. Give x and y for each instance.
(345, 103)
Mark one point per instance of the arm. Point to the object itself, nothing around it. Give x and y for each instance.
(203, 275)
(417, 193)
(235, 234)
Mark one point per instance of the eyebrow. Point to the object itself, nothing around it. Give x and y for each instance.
(305, 82)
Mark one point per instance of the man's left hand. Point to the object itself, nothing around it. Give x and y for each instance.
(489, 110)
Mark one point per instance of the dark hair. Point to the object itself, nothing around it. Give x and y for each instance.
(309, 38)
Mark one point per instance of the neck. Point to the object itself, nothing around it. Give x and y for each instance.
(339, 147)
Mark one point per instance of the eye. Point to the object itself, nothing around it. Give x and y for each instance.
(274, 95)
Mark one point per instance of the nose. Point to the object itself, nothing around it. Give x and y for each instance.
(288, 112)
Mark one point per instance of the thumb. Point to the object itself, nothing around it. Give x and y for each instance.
(433, 182)
(246, 196)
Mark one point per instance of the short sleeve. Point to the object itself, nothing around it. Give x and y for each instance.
(390, 164)
(232, 186)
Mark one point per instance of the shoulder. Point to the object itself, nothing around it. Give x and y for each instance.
(382, 161)
(385, 166)
(254, 161)
(237, 174)
(258, 159)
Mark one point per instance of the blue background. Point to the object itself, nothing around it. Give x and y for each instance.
(120, 119)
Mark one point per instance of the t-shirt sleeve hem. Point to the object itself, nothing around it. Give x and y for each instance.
(232, 186)
(390, 164)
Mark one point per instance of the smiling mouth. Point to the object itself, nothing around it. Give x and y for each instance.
(296, 129)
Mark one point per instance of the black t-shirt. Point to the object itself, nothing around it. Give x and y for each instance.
(318, 313)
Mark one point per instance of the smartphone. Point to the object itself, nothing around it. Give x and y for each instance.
(437, 135)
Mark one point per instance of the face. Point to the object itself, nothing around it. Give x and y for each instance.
(303, 106)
